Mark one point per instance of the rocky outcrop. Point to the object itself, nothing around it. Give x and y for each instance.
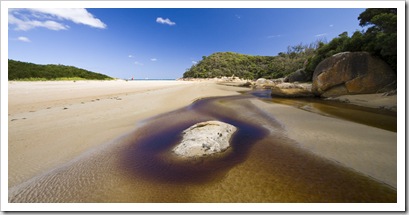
(204, 139)
(351, 73)
(298, 76)
(291, 90)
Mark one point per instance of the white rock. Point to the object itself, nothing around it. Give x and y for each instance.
(205, 138)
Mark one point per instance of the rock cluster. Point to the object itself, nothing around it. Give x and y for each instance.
(205, 138)
(263, 83)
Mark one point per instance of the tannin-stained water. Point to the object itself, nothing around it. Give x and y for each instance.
(262, 165)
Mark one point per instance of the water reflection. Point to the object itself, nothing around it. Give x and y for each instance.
(378, 118)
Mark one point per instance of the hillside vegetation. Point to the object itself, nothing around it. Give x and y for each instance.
(250, 67)
(379, 39)
(18, 70)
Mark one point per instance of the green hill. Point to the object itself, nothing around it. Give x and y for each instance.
(18, 70)
(248, 66)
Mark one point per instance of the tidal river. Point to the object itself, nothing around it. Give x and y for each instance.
(262, 165)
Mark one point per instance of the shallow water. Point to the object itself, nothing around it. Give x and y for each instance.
(263, 165)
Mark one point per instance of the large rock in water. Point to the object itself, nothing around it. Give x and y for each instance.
(205, 138)
(352, 73)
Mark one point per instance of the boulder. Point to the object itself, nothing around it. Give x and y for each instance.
(299, 76)
(291, 90)
(351, 73)
(261, 81)
(205, 138)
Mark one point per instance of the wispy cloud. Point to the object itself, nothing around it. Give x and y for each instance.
(237, 16)
(51, 18)
(138, 63)
(274, 36)
(165, 21)
(27, 24)
(321, 35)
(154, 59)
(130, 56)
(24, 39)
(194, 62)
(331, 25)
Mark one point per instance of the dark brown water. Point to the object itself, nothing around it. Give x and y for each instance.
(263, 165)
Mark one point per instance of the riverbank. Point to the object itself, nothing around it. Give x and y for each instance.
(51, 123)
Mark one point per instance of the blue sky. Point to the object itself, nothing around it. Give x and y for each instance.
(163, 43)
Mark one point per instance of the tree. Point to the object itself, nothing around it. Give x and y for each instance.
(381, 36)
(380, 19)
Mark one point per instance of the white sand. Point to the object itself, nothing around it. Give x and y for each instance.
(51, 123)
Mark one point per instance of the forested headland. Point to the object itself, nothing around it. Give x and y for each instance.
(379, 38)
(24, 71)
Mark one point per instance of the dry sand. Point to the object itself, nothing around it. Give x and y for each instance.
(369, 150)
(51, 123)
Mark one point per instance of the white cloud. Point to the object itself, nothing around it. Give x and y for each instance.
(194, 62)
(165, 21)
(237, 16)
(130, 56)
(51, 18)
(24, 39)
(321, 35)
(154, 59)
(138, 63)
(331, 25)
(76, 15)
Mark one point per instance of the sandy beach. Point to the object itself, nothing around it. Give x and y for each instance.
(53, 123)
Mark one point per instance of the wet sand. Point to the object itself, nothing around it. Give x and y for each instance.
(113, 152)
